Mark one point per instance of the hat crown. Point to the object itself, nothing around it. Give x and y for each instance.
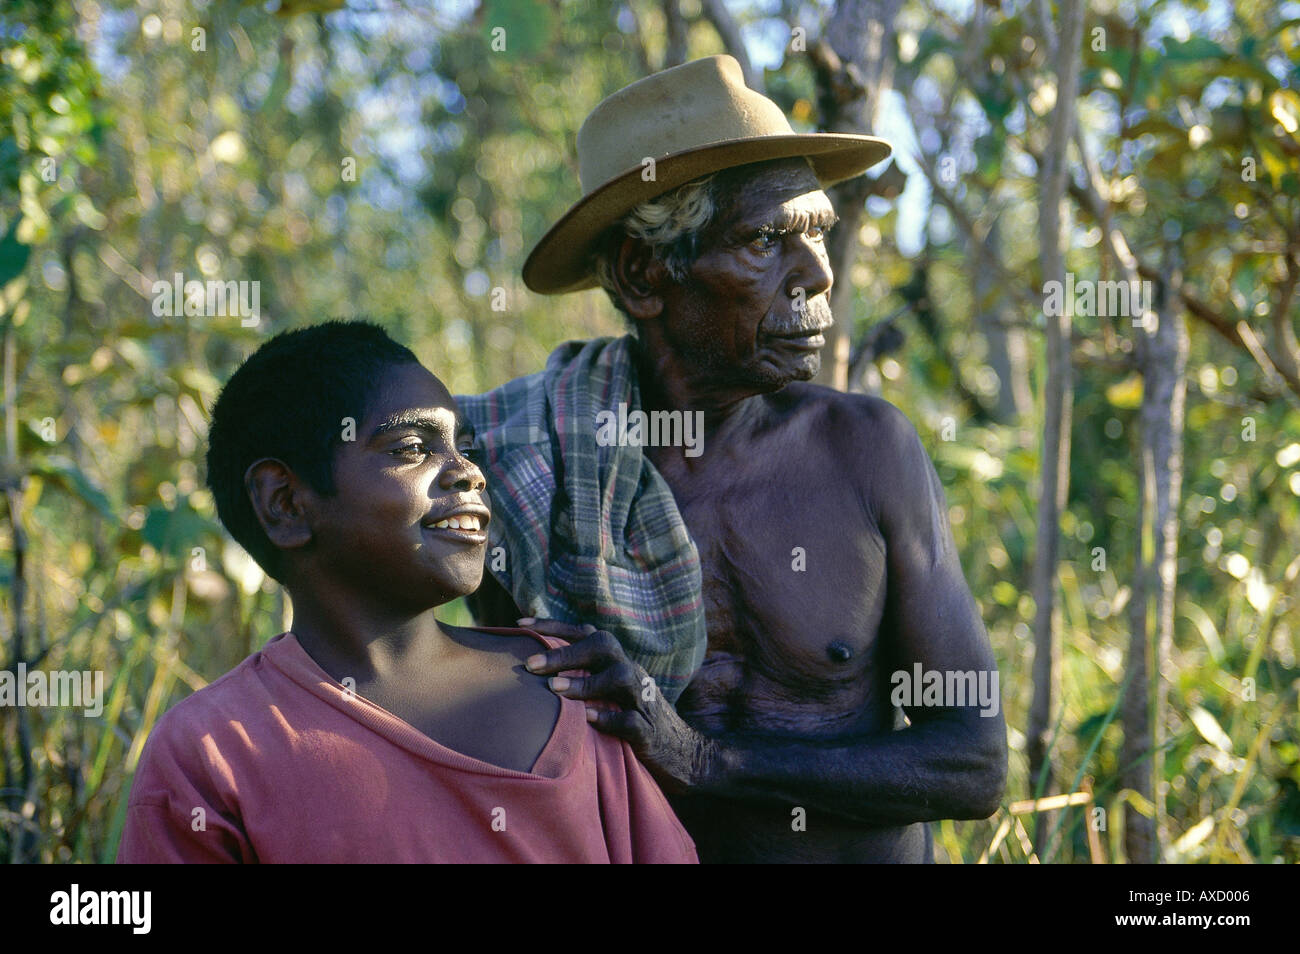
(686, 107)
(693, 120)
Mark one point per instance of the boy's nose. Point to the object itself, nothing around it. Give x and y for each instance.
(474, 484)
(463, 476)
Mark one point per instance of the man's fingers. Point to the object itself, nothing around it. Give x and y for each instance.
(554, 627)
(619, 683)
(629, 726)
(594, 654)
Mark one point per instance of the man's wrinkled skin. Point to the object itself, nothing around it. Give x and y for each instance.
(791, 709)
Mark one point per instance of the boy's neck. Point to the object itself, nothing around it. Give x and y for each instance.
(349, 638)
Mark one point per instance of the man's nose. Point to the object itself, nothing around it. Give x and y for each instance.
(812, 271)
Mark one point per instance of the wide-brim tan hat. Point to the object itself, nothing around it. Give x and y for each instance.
(693, 120)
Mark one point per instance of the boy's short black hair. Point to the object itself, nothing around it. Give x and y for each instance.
(288, 401)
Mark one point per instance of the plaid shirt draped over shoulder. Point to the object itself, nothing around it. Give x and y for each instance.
(591, 533)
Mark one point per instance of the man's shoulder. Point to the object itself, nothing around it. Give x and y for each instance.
(840, 416)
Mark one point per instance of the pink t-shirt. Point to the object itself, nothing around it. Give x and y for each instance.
(277, 762)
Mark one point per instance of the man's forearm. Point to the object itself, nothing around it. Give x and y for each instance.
(932, 770)
(949, 764)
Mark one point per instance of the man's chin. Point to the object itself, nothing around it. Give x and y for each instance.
(809, 367)
(793, 359)
(803, 368)
(773, 375)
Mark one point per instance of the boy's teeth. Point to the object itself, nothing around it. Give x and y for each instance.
(463, 522)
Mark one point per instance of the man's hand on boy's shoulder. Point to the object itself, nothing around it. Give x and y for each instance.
(680, 758)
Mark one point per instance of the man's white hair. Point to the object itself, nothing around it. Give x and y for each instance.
(670, 224)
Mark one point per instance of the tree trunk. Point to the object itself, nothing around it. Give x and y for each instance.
(1058, 407)
(853, 81)
(1162, 347)
(1007, 347)
(1135, 753)
(715, 11)
(20, 787)
(675, 28)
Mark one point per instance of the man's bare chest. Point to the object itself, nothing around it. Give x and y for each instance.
(794, 579)
(780, 560)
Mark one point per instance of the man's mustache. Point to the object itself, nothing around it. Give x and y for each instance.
(814, 317)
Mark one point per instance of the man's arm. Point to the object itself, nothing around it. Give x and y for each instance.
(950, 762)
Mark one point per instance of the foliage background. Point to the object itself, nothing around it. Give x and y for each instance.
(228, 162)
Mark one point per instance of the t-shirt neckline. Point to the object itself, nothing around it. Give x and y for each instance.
(556, 760)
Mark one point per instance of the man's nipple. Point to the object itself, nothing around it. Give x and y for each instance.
(839, 651)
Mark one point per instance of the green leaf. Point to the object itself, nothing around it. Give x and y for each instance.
(927, 44)
(1210, 730)
(13, 254)
(1196, 48)
(528, 25)
(62, 472)
(173, 530)
(289, 8)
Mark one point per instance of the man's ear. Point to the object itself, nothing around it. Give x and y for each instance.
(638, 276)
(277, 495)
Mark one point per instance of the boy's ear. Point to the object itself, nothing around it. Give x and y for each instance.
(277, 497)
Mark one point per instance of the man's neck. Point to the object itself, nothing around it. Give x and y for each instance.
(669, 384)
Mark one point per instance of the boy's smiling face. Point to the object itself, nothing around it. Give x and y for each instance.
(386, 534)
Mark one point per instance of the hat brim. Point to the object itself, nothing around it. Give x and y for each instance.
(560, 262)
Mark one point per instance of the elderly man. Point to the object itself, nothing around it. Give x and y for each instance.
(785, 573)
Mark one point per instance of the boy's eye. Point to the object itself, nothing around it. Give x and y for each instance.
(412, 449)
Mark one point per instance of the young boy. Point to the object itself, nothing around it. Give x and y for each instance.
(371, 732)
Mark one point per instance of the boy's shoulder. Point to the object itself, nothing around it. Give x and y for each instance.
(519, 642)
(227, 704)
(230, 688)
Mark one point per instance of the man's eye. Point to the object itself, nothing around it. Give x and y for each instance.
(765, 241)
(817, 233)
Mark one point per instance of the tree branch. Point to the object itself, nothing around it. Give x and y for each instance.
(675, 23)
(1027, 294)
(715, 11)
(1237, 331)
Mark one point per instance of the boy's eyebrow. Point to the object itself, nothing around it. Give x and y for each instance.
(421, 420)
